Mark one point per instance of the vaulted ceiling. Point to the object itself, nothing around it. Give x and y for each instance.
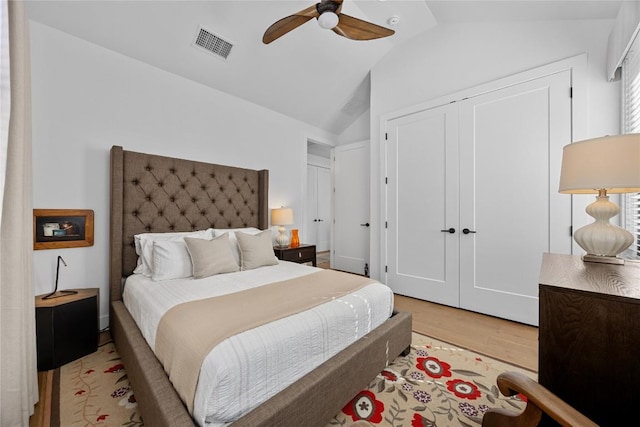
(310, 74)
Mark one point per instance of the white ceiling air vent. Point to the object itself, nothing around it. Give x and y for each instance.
(212, 43)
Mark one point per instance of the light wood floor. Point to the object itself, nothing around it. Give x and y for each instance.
(42, 413)
(508, 341)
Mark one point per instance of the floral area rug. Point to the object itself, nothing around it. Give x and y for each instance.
(94, 391)
(436, 385)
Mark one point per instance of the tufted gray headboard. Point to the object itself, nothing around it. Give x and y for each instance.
(159, 194)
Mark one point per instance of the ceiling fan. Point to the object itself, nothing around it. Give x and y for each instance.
(328, 14)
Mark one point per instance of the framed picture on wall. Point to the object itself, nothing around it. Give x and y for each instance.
(62, 228)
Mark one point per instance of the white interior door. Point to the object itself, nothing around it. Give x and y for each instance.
(351, 208)
(318, 224)
(510, 153)
(422, 200)
(323, 211)
(311, 231)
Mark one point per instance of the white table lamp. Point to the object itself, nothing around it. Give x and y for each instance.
(602, 166)
(282, 217)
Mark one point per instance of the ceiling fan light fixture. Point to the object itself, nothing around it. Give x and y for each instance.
(328, 20)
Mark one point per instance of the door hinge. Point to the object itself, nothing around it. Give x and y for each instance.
(571, 92)
(386, 180)
(386, 136)
(386, 269)
(571, 230)
(386, 224)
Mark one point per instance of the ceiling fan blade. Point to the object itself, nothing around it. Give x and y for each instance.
(284, 25)
(357, 29)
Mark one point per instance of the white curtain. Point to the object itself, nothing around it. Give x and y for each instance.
(18, 366)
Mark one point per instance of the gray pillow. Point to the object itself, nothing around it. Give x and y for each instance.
(256, 250)
(210, 257)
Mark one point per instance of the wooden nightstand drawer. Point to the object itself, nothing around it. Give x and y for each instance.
(301, 254)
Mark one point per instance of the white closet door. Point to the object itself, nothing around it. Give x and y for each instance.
(422, 200)
(489, 164)
(510, 153)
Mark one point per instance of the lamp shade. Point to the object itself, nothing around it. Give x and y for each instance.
(282, 216)
(611, 163)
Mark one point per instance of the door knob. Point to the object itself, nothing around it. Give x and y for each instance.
(450, 230)
(365, 224)
(315, 220)
(467, 231)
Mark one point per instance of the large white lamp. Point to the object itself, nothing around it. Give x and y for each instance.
(602, 166)
(282, 217)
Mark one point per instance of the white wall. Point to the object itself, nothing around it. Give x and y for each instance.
(358, 130)
(86, 99)
(452, 58)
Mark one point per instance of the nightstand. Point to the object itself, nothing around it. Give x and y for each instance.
(66, 327)
(301, 254)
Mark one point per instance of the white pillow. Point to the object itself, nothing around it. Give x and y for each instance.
(249, 230)
(144, 246)
(256, 250)
(171, 260)
(210, 257)
(232, 238)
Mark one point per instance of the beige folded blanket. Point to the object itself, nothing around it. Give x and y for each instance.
(188, 332)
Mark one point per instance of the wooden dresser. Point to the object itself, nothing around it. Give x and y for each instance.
(589, 336)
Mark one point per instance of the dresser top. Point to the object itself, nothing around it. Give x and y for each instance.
(570, 272)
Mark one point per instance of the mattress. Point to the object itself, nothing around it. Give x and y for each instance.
(245, 370)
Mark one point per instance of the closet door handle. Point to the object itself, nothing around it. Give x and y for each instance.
(364, 225)
(467, 231)
(450, 230)
(315, 220)
(320, 220)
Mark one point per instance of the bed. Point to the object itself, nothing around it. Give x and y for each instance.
(151, 193)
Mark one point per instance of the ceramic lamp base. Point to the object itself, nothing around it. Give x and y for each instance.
(282, 240)
(601, 238)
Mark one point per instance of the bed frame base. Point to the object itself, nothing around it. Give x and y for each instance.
(158, 401)
(333, 384)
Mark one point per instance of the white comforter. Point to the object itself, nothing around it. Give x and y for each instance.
(247, 369)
